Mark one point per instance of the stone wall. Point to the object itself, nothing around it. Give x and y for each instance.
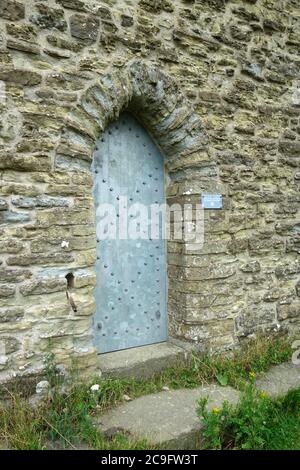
(67, 68)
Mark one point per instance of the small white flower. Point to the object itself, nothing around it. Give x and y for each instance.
(95, 388)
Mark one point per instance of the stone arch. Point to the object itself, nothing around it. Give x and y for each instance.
(150, 95)
(155, 99)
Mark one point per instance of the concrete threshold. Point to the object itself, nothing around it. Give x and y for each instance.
(144, 361)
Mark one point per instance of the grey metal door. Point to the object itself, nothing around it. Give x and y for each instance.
(131, 271)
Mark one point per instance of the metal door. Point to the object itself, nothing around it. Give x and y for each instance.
(131, 272)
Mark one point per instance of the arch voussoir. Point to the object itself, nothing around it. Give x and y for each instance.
(151, 95)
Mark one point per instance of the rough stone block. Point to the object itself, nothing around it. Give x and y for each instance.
(126, 21)
(77, 5)
(10, 246)
(287, 270)
(14, 275)
(25, 162)
(11, 344)
(288, 311)
(47, 218)
(84, 27)
(43, 286)
(39, 201)
(7, 290)
(251, 267)
(3, 205)
(48, 18)
(11, 314)
(19, 76)
(9, 217)
(12, 10)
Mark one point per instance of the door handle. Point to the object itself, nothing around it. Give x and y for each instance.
(71, 301)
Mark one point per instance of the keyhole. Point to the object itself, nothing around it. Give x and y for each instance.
(70, 281)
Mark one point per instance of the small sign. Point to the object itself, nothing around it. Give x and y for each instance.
(212, 201)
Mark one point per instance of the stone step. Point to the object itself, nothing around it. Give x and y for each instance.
(278, 380)
(145, 361)
(167, 418)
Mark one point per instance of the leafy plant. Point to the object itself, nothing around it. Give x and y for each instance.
(258, 422)
(222, 379)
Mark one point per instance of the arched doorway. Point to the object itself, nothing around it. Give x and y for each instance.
(130, 293)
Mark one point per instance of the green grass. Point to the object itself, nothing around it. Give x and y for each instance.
(256, 423)
(66, 419)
